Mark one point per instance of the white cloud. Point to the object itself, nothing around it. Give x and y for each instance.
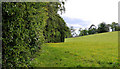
(75, 25)
(94, 11)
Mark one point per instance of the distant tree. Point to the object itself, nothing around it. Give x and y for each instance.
(114, 26)
(83, 32)
(72, 31)
(92, 29)
(80, 29)
(102, 27)
(77, 35)
(92, 26)
(118, 28)
(109, 26)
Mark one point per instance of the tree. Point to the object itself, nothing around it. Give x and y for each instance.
(72, 31)
(118, 28)
(92, 29)
(80, 29)
(114, 26)
(67, 32)
(83, 32)
(56, 28)
(102, 27)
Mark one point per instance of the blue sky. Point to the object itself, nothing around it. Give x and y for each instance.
(76, 23)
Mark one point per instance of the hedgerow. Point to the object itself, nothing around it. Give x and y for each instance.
(22, 27)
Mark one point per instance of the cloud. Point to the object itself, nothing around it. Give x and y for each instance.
(92, 11)
(75, 22)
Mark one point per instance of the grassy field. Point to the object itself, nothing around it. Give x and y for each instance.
(99, 50)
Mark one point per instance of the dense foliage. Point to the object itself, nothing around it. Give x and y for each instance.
(56, 29)
(25, 25)
(22, 34)
(114, 26)
(102, 27)
(83, 32)
(92, 29)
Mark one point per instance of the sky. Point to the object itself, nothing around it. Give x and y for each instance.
(83, 13)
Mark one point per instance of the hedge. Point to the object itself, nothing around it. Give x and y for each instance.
(22, 36)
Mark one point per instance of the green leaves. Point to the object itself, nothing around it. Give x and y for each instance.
(55, 29)
(102, 27)
(25, 25)
(22, 32)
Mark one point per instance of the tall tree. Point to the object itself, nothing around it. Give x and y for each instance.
(55, 29)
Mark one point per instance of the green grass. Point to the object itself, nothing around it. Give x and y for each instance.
(98, 50)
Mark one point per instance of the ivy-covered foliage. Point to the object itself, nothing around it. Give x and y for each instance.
(26, 26)
(22, 26)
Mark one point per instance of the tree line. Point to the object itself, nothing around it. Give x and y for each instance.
(102, 27)
(26, 26)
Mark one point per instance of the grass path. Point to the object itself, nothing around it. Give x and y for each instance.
(99, 50)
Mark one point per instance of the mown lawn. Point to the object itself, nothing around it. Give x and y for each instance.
(99, 50)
